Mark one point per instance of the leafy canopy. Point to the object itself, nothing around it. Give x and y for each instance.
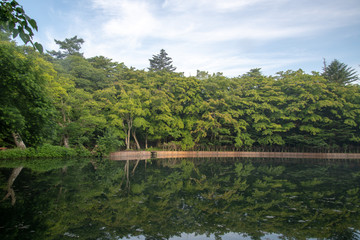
(25, 105)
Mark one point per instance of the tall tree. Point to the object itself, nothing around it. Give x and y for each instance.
(132, 109)
(70, 46)
(161, 62)
(339, 72)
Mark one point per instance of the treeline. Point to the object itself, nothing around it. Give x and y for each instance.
(63, 98)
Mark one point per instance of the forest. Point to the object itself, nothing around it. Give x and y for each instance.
(62, 98)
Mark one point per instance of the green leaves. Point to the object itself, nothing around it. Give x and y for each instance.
(39, 47)
(25, 103)
(18, 23)
(24, 37)
(33, 24)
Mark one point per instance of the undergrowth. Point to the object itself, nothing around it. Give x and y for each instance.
(44, 151)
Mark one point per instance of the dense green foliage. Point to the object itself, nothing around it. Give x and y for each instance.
(162, 199)
(25, 104)
(104, 105)
(44, 151)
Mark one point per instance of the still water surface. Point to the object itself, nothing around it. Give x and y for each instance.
(180, 199)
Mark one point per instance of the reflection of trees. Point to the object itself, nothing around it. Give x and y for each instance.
(214, 197)
(217, 198)
(10, 191)
(251, 199)
(126, 175)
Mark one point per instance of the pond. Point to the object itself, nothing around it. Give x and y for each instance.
(203, 198)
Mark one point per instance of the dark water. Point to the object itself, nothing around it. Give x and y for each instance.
(180, 199)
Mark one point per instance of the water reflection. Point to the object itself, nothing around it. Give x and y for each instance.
(183, 199)
(10, 191)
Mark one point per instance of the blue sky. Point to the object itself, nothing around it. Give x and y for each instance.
(229, 36)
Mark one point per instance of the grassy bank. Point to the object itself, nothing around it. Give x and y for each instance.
(45, 151)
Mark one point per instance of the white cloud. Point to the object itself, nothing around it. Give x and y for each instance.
(215, 35)
(133, 19)
(207, 21)
(205, 5)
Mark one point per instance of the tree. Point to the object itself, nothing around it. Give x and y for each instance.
(70, 46)
(13, 17)
(339, 72)
(132, 108)
(255, 72)
(25, 107)
(161, 62)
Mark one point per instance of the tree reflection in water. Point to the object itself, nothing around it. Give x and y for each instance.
(175, 198)
(10, 191)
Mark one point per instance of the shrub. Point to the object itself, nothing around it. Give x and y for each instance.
(13, 153)
(44, 151)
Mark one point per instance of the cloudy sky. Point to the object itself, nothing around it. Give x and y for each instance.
(229, 36)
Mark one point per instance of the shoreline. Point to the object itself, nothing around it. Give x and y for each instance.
(141, 155)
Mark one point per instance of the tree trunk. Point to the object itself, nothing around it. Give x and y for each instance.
(136, 141)
(18, 141)
(129, 123)
(146, 141)
(65, 137)
(66, 140)
(128, 139)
